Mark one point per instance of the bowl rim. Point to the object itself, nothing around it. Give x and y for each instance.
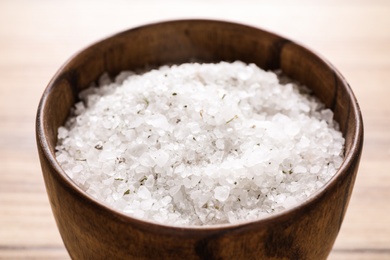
(71, 186)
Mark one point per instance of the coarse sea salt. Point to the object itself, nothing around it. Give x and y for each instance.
(200, 144)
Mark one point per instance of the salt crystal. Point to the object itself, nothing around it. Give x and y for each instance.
(62, 132)
(292, 129)
(221, 193)
(166, 200)
(146, 205)
(300, 169)
(62, 158)
(106, 155)
(79, 109)
(135, 123)
(187, 183)
(138, 213)
(294, 186)
(304, 142)
(160, 157)
(149, 183)
(289, 202)
(146, 160)
(180, 168)
(144, 193)
(174, 190)
(220, 144)
(108, 181)
(315, 169)
(158, 121)
(141, 169)
(104, 79)
(327, 115)
(193, 127)
(122, 76)
(137, 149)
(77, 169)
(280, 198)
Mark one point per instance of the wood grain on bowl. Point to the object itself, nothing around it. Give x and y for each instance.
(91, 230)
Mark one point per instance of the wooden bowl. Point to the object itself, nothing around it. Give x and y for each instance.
(91, 230)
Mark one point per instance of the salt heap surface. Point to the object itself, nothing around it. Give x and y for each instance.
(199, 144)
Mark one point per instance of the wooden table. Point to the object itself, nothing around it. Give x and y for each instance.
(36, 37)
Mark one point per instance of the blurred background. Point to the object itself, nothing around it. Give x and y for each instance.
(38, 36)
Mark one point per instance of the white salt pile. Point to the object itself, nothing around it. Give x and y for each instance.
(200, 144)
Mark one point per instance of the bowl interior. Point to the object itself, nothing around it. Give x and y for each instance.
(195, 40)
